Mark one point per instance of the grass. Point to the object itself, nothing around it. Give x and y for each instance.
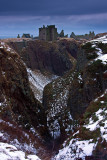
(96, 67)
(103, 47)
(90, 112)
(24, 137)
(90, 51)
(85, 134)
(94, 117)
(88, 48)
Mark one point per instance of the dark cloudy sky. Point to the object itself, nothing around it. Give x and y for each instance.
(26, 16)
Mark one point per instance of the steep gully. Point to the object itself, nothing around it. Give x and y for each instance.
(53, 60)
(46, 60)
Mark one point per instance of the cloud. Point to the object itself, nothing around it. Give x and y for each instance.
(98, 16)
(73, 18)
(77, 23)
(52, 7)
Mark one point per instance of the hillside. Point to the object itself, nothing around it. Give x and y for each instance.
(46, 56)
(22, 117)
(87, 103)
(67, 98)
(90, 139)
(53, 101)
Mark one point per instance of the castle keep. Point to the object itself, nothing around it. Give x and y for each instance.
(48, 33)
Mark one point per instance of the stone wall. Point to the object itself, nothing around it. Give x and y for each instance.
(48, 33)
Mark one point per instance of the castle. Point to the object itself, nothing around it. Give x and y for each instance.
(26, 35)
(48, 33)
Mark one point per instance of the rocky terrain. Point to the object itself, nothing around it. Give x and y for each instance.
(46, 56)
(53, 101)
(90, 140)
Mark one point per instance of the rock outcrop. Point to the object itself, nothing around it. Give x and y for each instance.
(89, 81)
(55, 97)
(17, 102)
(67, 98)
(73, 104)
(89, 142)
(46, 56)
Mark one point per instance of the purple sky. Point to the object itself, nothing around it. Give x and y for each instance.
(26, 16)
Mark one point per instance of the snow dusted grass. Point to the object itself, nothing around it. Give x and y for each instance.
(94, 125)
(27, 144)
(14, 135)
(10, 152)
(76, 149)
(103, 58)
(4, 45)
(96, 42)
(96, 50)
(92, 134)
(101, 39)
(58, 115)
(98, 120)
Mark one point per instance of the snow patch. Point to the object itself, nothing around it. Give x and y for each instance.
(103, 58)
(38, 81)
(8, 151)
(76, 149)
(100, 96)
(102, 39)
(100, 114)
(6, 47)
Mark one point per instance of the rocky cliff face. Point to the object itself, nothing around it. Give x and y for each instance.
(55, 96)
(67, 98)
(89, 142)
(73, 105)
(46, 56)
(17, 102)
(90, 80)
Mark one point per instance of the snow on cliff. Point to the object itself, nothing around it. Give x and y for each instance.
(78, 147)
(102, 39)
(38, 81)
(10, 152)
(101, 56)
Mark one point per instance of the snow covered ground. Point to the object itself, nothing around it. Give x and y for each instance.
(102, 39)
(10, 152)
(76, 149)
(80, 148)
(11, 148)
(94, 125)
(38, 81)
(6, 47)
(101, 56)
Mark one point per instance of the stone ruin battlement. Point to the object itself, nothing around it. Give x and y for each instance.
(48, 33)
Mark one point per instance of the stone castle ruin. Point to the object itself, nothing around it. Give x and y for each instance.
(48, 33)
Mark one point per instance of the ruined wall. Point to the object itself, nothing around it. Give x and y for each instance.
(48, 33)
(42, 33)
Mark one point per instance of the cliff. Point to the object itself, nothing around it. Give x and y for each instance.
(72, 78)
(17, 102)
(66, 99)
(46, 56)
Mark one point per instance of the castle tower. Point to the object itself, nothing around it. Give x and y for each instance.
(48, 33)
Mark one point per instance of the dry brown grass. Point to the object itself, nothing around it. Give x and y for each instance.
(17, 132)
